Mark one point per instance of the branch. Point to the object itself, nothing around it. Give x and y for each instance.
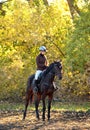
(77, 9)
(59, 49)
(49, 38)
(73, 8)
(45, 2)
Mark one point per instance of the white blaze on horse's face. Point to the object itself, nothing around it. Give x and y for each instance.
(58, 68)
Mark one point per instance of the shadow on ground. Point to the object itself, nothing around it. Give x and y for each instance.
(68, 120)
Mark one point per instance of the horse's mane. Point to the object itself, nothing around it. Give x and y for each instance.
(48, 69)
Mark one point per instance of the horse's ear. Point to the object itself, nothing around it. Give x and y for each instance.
(55, 61)
(59, 60)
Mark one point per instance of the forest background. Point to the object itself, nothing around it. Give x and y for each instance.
(63, 26)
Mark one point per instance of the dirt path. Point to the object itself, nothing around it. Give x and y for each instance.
(59, 121)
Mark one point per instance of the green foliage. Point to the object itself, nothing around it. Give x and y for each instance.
(78, 47)
(75, 86)
(77, 56)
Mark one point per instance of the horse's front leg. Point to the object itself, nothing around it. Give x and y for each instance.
(37, 100)
(49, 105)
(44, 108)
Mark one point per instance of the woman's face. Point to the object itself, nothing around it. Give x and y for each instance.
(43, 52)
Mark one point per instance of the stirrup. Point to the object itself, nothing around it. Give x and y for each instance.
(55, 88)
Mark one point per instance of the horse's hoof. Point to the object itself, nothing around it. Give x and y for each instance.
(48, 120)
(23, 119)
(43, 119)
(38, 119)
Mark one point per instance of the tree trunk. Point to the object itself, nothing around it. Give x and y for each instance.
(73, 8)
(70, 4)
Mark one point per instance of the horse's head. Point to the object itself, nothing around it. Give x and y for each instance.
(55, 68)
(58, 69)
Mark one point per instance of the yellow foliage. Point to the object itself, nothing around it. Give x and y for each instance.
(23, 29)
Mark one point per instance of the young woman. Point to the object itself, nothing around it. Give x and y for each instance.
(41, 62)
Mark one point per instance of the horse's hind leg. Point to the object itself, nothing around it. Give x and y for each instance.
(26, 105)
(37, 100)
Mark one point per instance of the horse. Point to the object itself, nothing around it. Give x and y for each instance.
(45, 88)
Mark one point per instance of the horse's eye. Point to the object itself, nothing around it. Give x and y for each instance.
(55, 64)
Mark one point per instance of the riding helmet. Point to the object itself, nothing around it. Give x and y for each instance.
(42, 48)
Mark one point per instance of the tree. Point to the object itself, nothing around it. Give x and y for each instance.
(25, 27)
(22, 30)
(73, 7)
(78, 46)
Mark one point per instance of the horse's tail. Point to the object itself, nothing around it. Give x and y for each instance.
(29, 88)
(29, 82)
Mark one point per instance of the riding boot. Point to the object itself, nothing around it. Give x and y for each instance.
(35, 86)
(55, 87)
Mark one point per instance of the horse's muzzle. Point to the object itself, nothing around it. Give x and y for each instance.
(59, 76)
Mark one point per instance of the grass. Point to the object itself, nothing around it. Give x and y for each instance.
(71, 106)
(6, 106)
(60, 106)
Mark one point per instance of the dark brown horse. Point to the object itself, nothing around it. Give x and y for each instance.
(46, 88)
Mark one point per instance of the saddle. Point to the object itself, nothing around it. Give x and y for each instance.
(40, 77)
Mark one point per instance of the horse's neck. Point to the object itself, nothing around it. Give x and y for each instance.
(50, 77)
